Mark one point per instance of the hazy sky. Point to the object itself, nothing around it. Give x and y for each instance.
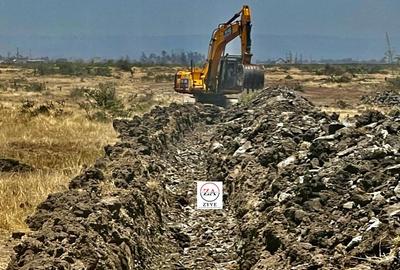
(104, 18)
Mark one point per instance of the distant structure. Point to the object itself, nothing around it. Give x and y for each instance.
(389, 54)
(18, 58)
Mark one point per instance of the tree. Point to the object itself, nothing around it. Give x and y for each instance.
(143, 58)
(165, 58)
(124, 64)
(397, 58)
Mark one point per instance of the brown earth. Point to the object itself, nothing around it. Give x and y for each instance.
(12, 165)
(329, 96)
(302, 191)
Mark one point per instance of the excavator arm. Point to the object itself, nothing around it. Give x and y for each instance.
(221, 36)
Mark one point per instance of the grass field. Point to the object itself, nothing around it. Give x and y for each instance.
(59, 140)
(57, 147)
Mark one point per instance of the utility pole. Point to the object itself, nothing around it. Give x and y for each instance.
(290, 57)
(390, 52)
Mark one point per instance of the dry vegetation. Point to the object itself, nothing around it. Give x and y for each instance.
(56, 147)
(333, 87)
(57, 123)
(45, 123)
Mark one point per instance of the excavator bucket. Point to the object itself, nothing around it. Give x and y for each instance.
(253, 77)
(234, 77)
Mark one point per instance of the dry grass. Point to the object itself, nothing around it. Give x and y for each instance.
(343, 113)
(21, 193)
(245, 97)
(153, 184)
(56, 146)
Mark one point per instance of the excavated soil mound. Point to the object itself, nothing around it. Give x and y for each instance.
(301, 191)
(383, 98)
(310, 192)
(112, 216)
(12, 165)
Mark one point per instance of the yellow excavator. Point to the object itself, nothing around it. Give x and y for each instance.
(224, 74)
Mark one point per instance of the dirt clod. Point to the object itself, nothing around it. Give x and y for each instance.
(301, 191)
(12, 165)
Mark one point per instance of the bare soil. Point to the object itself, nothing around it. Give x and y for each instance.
(135, 208)
(302, 191)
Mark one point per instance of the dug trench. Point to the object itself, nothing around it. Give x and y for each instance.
(301, 191)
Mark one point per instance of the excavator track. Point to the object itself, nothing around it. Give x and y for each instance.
(219, 100)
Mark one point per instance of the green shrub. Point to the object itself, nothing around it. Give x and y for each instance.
(123, 64)
(76, 68)
(78, 92)
(3, 86)
(103, 102)
(394, 82)
(345, 78)
(72, 68)
(164, 78)
(245, 98)
(336, 70)
(104, 95)
(100, 116)
(146, 78)
(298, 87)
(44, 69)
(340, 69)
(31, 108)
(142, 102)
(35, 87)
(101, 71)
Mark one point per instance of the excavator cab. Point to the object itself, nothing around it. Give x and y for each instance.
(230, 74)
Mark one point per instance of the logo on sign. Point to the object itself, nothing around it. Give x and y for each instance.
(209, 195)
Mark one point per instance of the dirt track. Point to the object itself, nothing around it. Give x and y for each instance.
(302, 191)
(207, 240)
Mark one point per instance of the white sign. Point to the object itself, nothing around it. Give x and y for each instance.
(209, 195)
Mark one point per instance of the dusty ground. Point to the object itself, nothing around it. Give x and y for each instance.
(59, 87)
(302, 191)
(326, 95)
(323, 92)
(343, 98)
(57, 146)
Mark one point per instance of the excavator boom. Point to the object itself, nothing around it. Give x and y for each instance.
(221, 36)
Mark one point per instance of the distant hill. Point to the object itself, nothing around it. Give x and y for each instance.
(264, 46)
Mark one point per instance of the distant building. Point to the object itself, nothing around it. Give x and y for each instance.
(36, 60)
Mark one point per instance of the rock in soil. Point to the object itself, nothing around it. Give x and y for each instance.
(301, 191)
(12, 165)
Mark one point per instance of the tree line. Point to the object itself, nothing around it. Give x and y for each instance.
(172, 58)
